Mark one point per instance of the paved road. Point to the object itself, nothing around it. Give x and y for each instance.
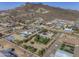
(52, 49)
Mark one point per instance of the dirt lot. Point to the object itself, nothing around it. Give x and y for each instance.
(19, 51)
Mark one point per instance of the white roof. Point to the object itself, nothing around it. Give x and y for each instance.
(68, 30)
(25, 32)
(2, 55)
(60, 53)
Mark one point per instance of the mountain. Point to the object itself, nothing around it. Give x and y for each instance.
(30, 11)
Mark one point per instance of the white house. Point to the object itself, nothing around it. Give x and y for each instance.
(68, 30)
(25, 33)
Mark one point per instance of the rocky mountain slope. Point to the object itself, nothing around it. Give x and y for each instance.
(30, 11)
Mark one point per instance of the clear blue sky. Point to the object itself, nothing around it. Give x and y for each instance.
(66, 5)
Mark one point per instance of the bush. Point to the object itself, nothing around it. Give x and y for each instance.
(41, 52)
(62, 47)
(26, 40)
(18, 42)
(32, 42)
(32, 49)
(25, 46)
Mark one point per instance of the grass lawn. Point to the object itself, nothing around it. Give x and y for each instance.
(67, 48)
(30, 48)
(41, 39)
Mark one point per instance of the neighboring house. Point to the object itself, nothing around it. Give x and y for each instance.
(60, 24)
(68, 30)
(25, 33)
(77, 25)
(15, 37)
(46, 34)
(10, 37)
(2, 55)
(8, 53)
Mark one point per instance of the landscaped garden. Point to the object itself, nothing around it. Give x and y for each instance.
(41, 52)
(37, 44)
(41, 39)
(67, 48)
(30, 48)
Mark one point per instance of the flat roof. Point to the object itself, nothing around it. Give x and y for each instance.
(60, 53)
(2, 55)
